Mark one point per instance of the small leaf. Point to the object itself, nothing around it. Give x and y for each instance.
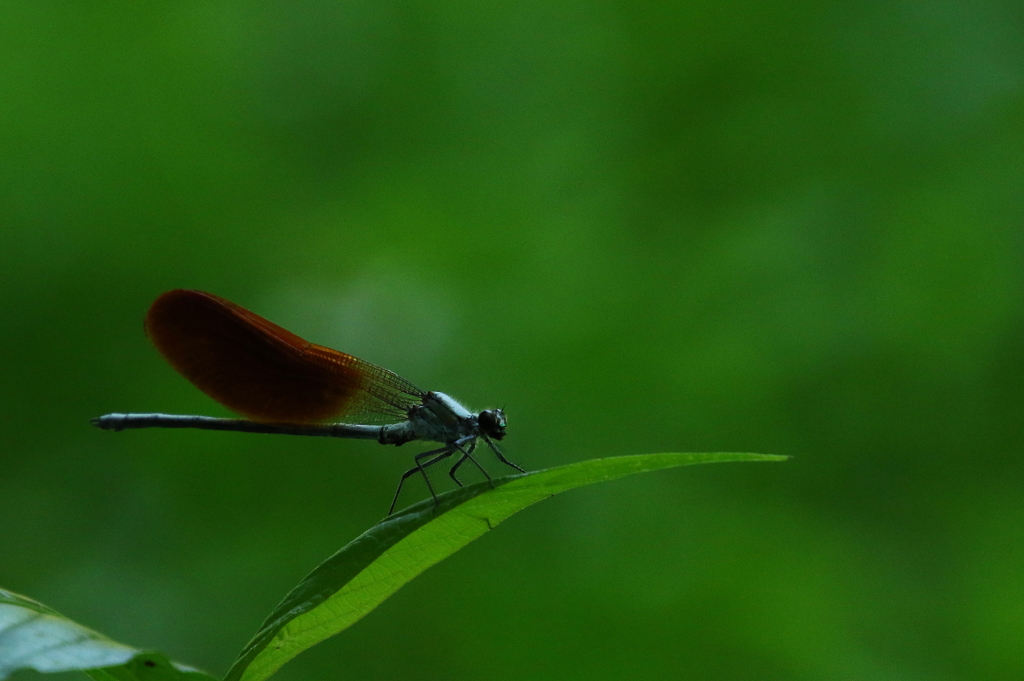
(354, 581)
(33, 636)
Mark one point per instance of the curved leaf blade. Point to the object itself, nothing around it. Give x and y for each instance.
(360, 576)
(33, 636)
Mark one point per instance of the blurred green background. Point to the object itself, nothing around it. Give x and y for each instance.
(707, 226)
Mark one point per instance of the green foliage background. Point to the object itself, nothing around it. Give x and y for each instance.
(640, 227)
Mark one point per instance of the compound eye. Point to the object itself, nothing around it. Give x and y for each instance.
(492, 423)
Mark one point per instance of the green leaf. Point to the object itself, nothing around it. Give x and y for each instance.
(33, 636)
(354, 581)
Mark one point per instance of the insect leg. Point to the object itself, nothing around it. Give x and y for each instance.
(468, 454)
(501, 457)
(441, 454)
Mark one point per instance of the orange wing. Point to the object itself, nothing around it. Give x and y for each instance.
(268, 374)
